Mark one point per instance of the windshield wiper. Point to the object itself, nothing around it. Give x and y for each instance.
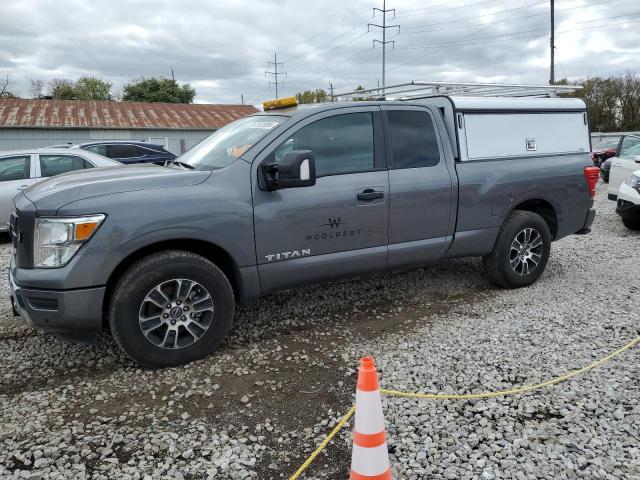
(182, 164)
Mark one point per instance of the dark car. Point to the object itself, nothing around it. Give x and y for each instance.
(605, 168)
(129, 152)
(603, 150)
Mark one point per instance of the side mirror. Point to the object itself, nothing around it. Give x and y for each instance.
(637, 158)
(296, 169)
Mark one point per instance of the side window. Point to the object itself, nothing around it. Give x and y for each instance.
(627, 143)
(14, 168)
(340, 144)
(122, 151)
(51, 165)
(413, 139)
(99, 149)
(87, 164)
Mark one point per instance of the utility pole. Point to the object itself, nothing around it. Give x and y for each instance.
(242, 99)
(331, 90)
(173, 77)
(275, 72)
(552, 75)
(384, 41)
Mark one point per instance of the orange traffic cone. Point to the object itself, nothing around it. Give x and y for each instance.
(370, 458)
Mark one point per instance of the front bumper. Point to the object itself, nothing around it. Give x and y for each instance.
(628, 206)
(74, 315)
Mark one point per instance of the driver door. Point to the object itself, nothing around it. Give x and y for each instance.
(337, 227)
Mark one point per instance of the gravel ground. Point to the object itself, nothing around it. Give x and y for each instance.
(287, 374)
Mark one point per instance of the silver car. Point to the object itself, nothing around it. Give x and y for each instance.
(21, 168)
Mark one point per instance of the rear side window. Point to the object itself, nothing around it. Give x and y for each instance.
(99, 149)
(14, 168)
(340, 144)
(122, 151)
(51, 165)
(413, 139)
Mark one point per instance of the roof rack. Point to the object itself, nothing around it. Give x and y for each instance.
(419, 89)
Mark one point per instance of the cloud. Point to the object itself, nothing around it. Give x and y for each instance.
(222, 47)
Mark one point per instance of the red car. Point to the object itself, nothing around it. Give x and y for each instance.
(603, 150)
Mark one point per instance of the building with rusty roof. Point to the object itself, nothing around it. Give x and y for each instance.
(41, 123)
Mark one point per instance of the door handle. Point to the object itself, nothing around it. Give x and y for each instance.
(22, 187)
(369, 194)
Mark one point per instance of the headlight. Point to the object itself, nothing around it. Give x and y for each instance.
(633, 181)
(57, 239)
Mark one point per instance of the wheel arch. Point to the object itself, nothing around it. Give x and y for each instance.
(220, 257)
(542, 207)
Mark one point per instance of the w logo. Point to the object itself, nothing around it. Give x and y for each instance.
(334, 222)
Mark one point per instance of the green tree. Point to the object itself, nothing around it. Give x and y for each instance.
(158, 90)
(359, 99)
(313, 96)
(92, 88)
(613, 102)
(62, 89)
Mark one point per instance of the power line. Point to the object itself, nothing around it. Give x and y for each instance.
(457, 21)
(473, 34)
(275, 72)
(384, 41)
(431, 12)
(516, 34)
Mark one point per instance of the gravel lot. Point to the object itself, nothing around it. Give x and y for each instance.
(286, 374)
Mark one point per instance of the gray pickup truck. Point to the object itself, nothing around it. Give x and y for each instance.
(292, 196)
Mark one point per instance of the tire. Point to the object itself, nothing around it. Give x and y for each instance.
(498, 264)
(631, 223)
(190, 283)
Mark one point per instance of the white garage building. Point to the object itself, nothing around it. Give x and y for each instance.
(40, 123)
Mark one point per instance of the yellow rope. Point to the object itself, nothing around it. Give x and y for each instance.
(324, 443)
(464, 396)
(512, 391)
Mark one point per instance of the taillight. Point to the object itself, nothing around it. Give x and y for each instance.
(591, 175)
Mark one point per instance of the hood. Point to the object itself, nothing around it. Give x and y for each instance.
(55, 192)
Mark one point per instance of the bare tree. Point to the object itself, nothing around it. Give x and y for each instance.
(4, 87)
(36, 88)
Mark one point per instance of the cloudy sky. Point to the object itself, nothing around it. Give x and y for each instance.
(222, 47)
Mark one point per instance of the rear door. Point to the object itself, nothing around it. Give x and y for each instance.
(56, 164)
(421, 202)
(16, 174)
(337, 227)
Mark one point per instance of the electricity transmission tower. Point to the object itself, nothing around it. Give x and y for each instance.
(384, 41)
(276, 74)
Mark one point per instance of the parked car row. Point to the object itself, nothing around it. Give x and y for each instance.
(126, 151)
(622, 172)
(20, 169)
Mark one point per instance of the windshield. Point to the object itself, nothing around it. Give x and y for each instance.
(631, 152)
(607, 144)
(226, 145)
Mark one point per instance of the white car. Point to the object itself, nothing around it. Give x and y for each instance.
(628, 206)
(20, 169)
(627, 162)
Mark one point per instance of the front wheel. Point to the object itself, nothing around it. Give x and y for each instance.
(631, 223)
(171, 308)
(521, 251)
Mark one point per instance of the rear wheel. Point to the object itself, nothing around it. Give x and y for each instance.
(171, 308)
(521, 251)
